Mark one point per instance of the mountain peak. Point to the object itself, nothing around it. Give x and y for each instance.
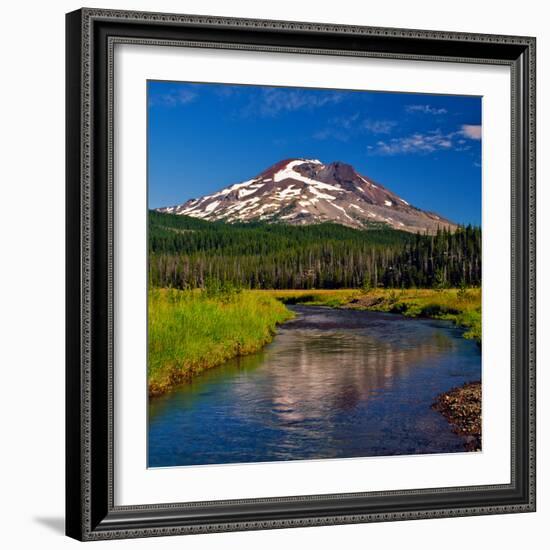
(307, 191)
(287, 164)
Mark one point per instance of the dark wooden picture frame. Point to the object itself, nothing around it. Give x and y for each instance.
(90, 510)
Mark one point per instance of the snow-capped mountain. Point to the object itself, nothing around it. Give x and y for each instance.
(306, 191)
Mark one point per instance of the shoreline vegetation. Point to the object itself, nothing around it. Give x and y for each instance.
(191, 331)
(194, 330)
(460, 305)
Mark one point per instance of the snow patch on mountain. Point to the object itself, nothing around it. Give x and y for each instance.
(307, 191)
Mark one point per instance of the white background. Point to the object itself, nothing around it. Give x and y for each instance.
(32, 274)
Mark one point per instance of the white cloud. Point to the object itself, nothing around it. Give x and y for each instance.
(379, 126)
(428, 142)
(414, 143)
(346, 122)
(425, 109)
(344, 127)
(173, 98)
(471, 131)
(271, 102)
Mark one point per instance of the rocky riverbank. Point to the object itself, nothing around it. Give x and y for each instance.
(462, 409)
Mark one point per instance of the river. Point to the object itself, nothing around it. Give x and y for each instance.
(334, 383)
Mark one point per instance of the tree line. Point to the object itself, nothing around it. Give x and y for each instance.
(186, 252)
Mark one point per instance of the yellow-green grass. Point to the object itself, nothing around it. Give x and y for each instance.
(190, 332)
(463, 306)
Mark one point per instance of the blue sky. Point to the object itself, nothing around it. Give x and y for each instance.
(424, 147)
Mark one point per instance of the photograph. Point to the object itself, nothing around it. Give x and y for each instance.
(314, 270)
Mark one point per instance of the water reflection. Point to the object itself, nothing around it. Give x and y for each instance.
(333, 383)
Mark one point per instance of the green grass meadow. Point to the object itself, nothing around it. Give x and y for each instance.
(193, 330)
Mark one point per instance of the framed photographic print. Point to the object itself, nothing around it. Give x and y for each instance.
(300, 274)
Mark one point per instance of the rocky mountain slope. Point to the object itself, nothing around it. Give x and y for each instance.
(306, 191)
